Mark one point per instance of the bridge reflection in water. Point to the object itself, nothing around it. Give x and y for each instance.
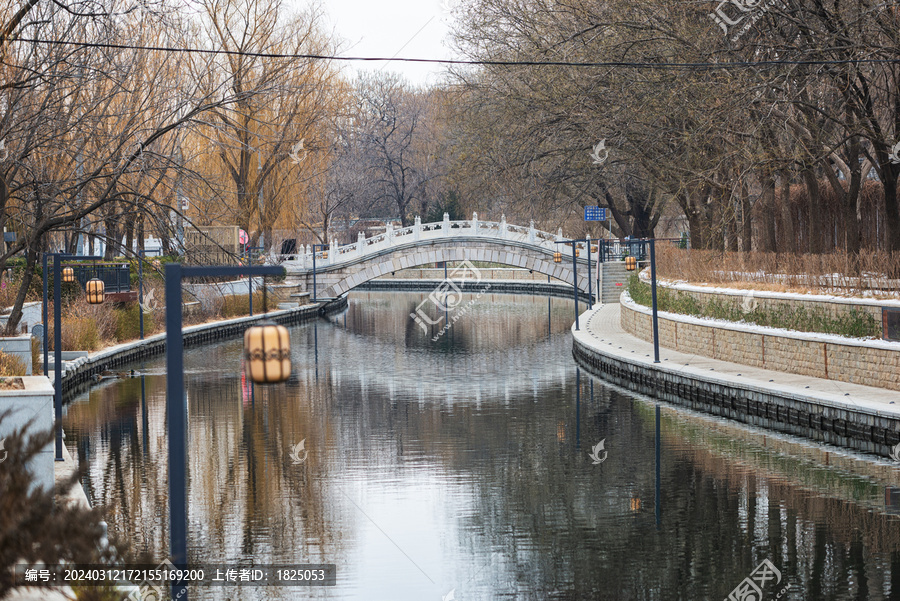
(464, 464)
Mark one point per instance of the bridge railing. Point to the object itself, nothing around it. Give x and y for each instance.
(424, 231)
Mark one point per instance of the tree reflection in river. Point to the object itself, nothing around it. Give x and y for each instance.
(463, 464)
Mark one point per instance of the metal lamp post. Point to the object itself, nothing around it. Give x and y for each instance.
(314, 247)
(176, 405)
(141, 254)
(250, 250)
(58, 258)
(631, 265)
(574, 244)
(653, 295)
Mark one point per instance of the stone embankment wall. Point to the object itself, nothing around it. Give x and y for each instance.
(82, 370)
(871, 363)
(848, 426)
(833, 306)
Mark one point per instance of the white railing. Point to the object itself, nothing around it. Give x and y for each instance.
(419, 231)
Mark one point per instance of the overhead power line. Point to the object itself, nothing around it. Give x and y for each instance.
(500, 63)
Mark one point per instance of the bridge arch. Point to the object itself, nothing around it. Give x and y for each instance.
(335, 280)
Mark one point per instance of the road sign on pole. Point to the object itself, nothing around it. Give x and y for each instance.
(595, 213)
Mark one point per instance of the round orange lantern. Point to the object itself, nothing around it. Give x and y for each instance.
(557, 257)
(267, 353)
(68, 274)
(96, 291)
(630, 263)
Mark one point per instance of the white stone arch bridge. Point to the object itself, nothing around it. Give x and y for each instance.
(345, 267)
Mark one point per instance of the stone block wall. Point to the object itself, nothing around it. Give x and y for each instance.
(875, 364)
(833, 307)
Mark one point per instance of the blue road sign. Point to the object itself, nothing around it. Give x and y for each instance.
(594, 214)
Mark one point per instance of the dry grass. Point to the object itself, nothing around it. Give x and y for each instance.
(37, 361)
(871, 274)
(11, 365)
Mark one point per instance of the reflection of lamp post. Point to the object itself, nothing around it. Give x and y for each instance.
(176, 406)
(324, 256)
(141, 254)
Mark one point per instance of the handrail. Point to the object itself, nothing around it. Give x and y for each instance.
(609, 249)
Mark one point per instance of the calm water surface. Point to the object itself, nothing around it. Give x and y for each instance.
(464, 464)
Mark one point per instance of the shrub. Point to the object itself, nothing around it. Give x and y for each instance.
(80, 334)
(239, 305)
(34, 528)
(11, 365)
(128, 322)
(855, 323)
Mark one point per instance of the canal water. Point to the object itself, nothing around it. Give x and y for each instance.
(480, 465)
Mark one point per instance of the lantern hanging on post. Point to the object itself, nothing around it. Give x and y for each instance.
(577, 252)
(630, 263)
(68, 274)
(267, 353)
(96, 291)
(156, 264)
(557, 257)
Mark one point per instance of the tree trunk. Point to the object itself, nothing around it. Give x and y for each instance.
(767, 212)
(746, 220)
(15, 316)
(892, 216)
(789, 242)
(815, 210)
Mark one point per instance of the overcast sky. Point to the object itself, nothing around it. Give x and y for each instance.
(385, 28)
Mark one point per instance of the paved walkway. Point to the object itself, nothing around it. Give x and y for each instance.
(601, 330)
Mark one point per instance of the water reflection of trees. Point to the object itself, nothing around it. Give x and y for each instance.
(505, 421)
(246, 497)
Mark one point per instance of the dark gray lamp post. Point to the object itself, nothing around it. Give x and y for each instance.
(58, 258)
(574, 244)
(176, 405)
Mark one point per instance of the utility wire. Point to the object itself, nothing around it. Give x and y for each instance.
(501, 63)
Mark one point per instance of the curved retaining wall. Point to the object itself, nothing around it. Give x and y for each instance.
(851, 427)
(866, 362)
(80, 374)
